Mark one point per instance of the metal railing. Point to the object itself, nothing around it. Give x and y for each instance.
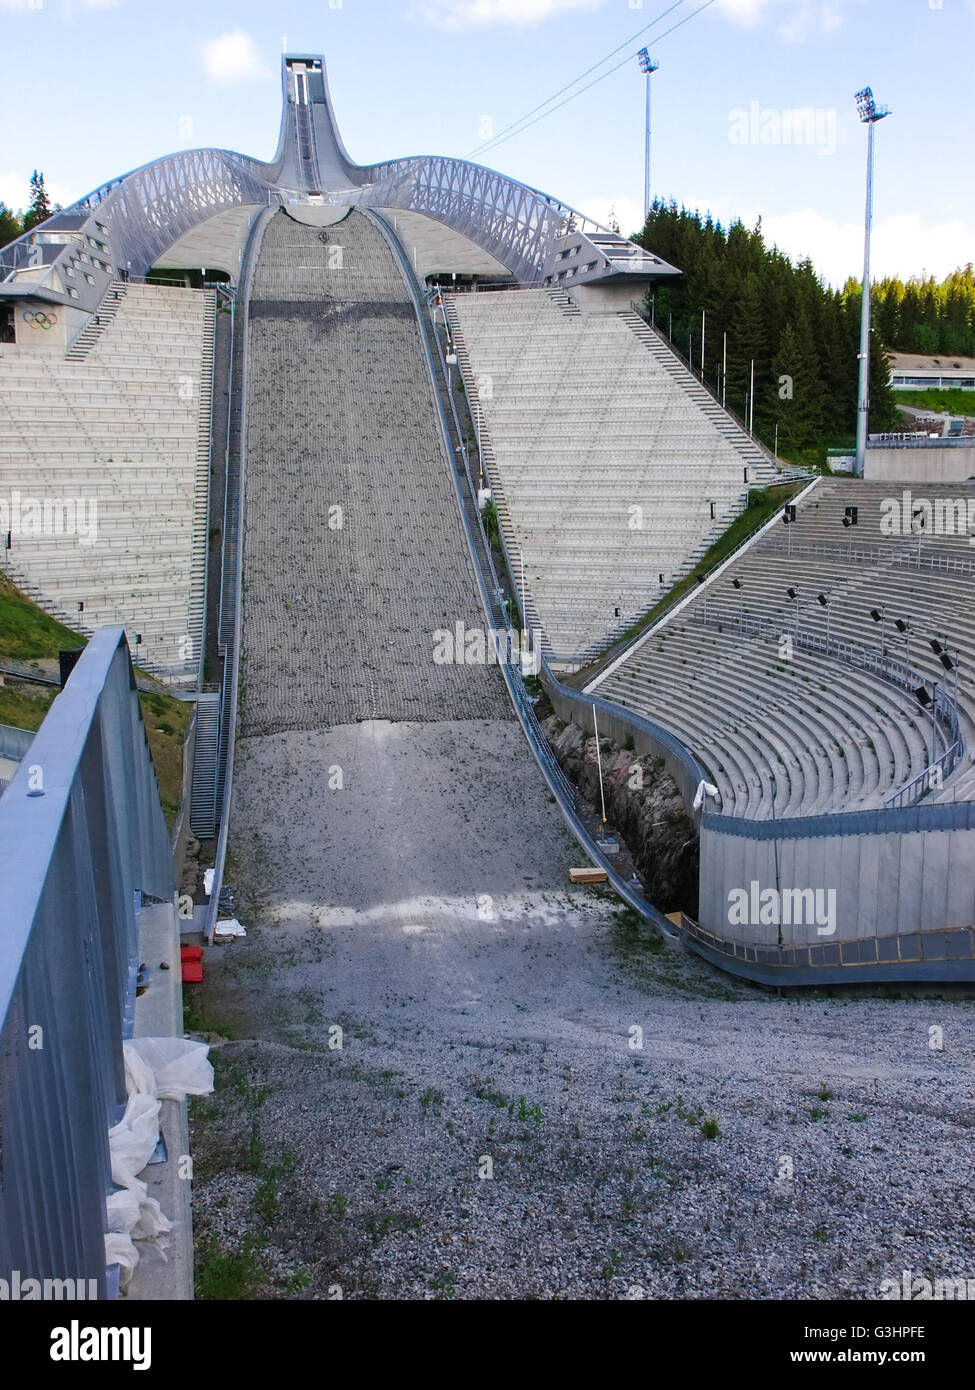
(83, 840)
(906, 554)
(560, 786)
(230, 615)
(788, 471)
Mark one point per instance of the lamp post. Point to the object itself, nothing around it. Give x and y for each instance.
(739, 584)
(917, 526)
(870, 114)
(794, 595)
(879, 615)
(647, 66)
(824, 599)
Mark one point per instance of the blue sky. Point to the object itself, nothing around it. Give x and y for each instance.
(95, 87)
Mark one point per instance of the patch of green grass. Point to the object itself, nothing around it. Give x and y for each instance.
(228, 1276)
(26, 708)
(27, 632)
(443, 1283)
(485, 1091)
(430, 1097)
(946, 402)
(525, 1112)
(709, 1128)
(252, 1154)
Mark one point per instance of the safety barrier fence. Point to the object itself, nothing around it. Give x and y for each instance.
(83, 841)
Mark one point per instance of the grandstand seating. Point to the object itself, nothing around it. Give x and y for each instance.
(800, 734)
(585, 417)
(123, 421)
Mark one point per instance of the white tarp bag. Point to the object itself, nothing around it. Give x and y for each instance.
(156, 1069)
(133, 1139)
(169, 1068)
(231, 927)
(119, 1250)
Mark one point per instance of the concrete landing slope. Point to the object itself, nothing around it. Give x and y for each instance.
(355, 554)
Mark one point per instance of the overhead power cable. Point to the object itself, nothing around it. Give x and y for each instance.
(554, 97)
(502, 138)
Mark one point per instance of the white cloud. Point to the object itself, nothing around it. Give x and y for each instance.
(798, 18)
(468, 14)
(101, 4)
(902, 244)
(233, 57)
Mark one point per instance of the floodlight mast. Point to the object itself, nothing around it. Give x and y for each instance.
(870, 113)
(647, 66)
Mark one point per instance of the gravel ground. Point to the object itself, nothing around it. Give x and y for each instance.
(753, 1147)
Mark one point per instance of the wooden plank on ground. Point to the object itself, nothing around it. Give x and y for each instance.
(588, 875)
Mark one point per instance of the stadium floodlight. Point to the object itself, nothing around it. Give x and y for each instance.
(647, 67)
(935, 646)
(793, 593)
(922, 696)
(946, 661)
(901, 625)
(877, 614)
(736, 583)
(870, 114)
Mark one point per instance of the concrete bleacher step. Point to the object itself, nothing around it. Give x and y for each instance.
(98, 323)
(576, 416)
(108, 422)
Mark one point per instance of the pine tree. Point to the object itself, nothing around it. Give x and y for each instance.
(40, 208)
(11, 225)
(747, 343)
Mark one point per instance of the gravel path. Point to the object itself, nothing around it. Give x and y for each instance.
(366, 908)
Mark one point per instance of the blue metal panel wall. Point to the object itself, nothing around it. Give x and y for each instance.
(82, 839)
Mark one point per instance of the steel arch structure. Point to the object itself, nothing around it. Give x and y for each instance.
(125, 225)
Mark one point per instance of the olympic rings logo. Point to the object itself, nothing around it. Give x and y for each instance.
(37, 319)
